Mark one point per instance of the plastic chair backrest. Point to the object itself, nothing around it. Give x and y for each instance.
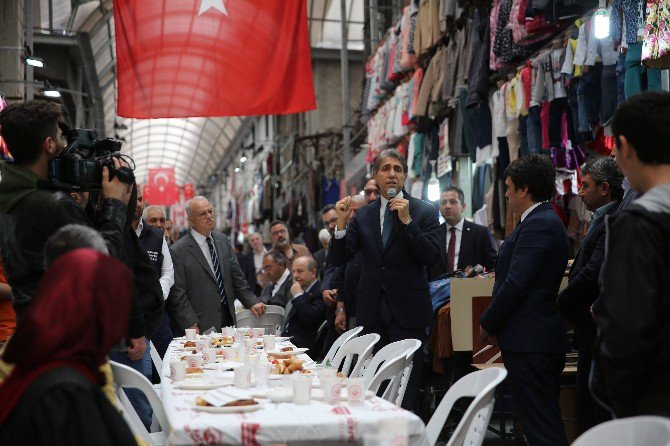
(390, 371)
(361, 347)
(472, 428)
(344, 337)
(270, 320)
(125, 376)
(244, 318)
(412, 346)
(386, 353)
(156, 359)
(634, 431)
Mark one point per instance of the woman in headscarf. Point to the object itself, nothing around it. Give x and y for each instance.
(52, 396)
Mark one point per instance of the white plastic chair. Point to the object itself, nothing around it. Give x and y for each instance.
(472, 428)
(344, 337)
(360, 347)
(634, 431)
(244, 318)
(387, 353)
(156, 359)
(271, 319)
(412, 346)
(125, 376)
(390, 371)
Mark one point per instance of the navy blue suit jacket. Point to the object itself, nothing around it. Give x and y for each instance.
(531, 263)
(396, 273)
(305, 317)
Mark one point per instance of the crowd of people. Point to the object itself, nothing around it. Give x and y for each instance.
(94, 276)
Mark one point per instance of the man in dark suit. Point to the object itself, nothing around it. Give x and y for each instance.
(523, 315)
(246, 261)
(207, 276)
(278, 291)
(398, 240)
(461, 242)
(306, 311)
(601, 191)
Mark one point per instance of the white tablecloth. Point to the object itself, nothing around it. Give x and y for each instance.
(314, 423)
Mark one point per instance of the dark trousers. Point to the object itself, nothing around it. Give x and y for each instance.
(533, 380)
(391, 331)
(331, 333)
(589, 412)
(226, 318)
(161, 340)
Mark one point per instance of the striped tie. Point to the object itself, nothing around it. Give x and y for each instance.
(217, 270)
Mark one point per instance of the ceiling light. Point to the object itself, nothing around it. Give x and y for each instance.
(243, 159)
(31, 60)
(49, 91)
(237, 169)
(433, 184)
(601, 21)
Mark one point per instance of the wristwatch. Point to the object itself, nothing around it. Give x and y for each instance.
(408, 222)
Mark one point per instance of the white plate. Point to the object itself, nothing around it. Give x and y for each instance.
(221, 365)
(186, 349)
(227, 409)
(202, 384)
(295, 351)
(317, 394)
(282, 338)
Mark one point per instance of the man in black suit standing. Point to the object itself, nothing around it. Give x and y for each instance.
(601, 192)
(523, 317)
(278, 291)
(397, 236)
(461, 242)
(306, 310)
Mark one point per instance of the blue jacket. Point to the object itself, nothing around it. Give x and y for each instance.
(531, 263)
(396, 273)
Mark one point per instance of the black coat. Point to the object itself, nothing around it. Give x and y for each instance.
(281, 297)
(576, 299)
(476, 249)
(248, 266)
(396, 272)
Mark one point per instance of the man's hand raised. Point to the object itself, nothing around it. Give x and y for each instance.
(115, 188)
(343, 209)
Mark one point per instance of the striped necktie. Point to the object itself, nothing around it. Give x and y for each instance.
(217, 270)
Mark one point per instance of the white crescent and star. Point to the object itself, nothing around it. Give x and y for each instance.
(206, 5)
(161, 187)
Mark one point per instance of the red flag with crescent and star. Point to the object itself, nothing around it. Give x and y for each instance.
(162, 187)
(184, 58)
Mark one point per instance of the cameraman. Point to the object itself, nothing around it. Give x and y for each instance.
(30, 214)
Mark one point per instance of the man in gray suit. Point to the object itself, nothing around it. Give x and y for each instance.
(208, 277)
(278, 291)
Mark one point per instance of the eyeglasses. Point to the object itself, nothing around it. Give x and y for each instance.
(206, 213)
(267, 267)
(279, 232)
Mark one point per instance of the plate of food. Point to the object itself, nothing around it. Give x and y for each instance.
(220, 342)
(287, 367)
(248, 405)
(194, 372)
(202, 384)
(287, 351)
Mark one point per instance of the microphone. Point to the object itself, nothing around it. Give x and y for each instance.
(391, 193)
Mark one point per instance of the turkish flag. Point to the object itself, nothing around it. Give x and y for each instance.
(189, 191)
(183, 58)
(163, 189)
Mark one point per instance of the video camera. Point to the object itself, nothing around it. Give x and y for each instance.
(79, 166)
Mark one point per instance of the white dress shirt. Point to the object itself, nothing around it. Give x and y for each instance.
(258, 260)
(459, 236)
(280, 282)
(167, 270)
(201, 240)
(530, 209)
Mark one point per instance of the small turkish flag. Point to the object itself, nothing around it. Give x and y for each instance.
(189, 191)
(163, 189)
(182, 58)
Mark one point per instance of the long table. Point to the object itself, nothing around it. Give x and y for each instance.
(276, 422)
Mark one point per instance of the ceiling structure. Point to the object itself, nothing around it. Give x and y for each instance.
(196, 147)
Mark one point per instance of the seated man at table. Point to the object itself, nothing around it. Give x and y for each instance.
(275, 268)
(306, 311)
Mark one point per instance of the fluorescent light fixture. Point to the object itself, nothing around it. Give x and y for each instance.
(34, 61)
(49, 91)
(243, 159)
(433, 184)
(237, 169)
(601, 21)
